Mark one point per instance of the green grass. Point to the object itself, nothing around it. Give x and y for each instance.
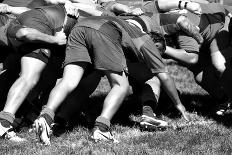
(204, 135)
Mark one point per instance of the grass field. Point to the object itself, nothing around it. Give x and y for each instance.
(205, 134)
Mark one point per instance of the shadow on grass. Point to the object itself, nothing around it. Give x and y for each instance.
(203, 105)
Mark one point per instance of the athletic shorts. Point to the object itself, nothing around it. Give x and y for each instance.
(91, 46)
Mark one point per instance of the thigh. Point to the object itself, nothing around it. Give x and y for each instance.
(31, 67)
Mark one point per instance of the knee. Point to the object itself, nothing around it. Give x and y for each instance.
(124, 86)
(29, 81)
(193, 59)
(21, 33)
(68, 85)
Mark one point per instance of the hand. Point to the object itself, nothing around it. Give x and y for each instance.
(194, 8)
(71, 9)
(182, 110)
(4, 8)
(60, 38)
(137, 11)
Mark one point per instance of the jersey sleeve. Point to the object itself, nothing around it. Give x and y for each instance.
(187, 43)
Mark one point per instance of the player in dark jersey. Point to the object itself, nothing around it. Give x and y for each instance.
(134, 42)
(49, 19)
(152, 121)
(30, 34)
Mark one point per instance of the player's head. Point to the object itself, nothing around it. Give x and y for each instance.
(159, 41)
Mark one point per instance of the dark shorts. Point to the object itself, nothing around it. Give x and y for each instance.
(40, 54)
(89, 45)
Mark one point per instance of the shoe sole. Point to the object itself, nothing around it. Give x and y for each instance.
(106, 138)
(42, 134)
(145, 126)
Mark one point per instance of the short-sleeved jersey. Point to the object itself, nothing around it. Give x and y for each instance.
(132, 40)
(47, 19)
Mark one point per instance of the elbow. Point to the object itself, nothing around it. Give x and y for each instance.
(193, 59)
(22, 33)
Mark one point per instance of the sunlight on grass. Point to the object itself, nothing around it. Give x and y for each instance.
(202, 135)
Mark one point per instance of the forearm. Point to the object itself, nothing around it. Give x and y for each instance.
(167, 5)
(90, 9)
(56, 1)
(34, 36)
(17, 10)
(83, 1)
(181, 56)
(120, 8)
(169, 87)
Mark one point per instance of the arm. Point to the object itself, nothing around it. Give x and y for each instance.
(181, 56)
(17, 10)
(120, 8)
(170, 88)
(167, 5)
(64, 1)
(90, 9)
(34, 36)
(5, 8)
(189, 28)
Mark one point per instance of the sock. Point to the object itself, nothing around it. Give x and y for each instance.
(102, 123)
(6, 119)
(147, 110)
(48, 115)
(148, 98)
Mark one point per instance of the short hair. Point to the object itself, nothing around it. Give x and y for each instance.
(159, 40)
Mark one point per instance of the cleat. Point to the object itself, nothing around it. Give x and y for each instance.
(224, 109)
(152, 123)
(10, 135)
(99, 135)
(43, 130)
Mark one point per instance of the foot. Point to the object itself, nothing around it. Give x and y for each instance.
(43, 130)
(99, 135)
(224, 109)
(152, 123)
(10, 135)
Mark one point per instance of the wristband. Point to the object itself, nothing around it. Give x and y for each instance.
(185, 5)
(179, 5)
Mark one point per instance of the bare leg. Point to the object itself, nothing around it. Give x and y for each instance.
(78, 97)
(30, 74)
(71, 78)
(113, 100)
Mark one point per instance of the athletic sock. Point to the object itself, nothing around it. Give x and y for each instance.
(147, 110)
(102, 123)
(6, 119)
(48, 115)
